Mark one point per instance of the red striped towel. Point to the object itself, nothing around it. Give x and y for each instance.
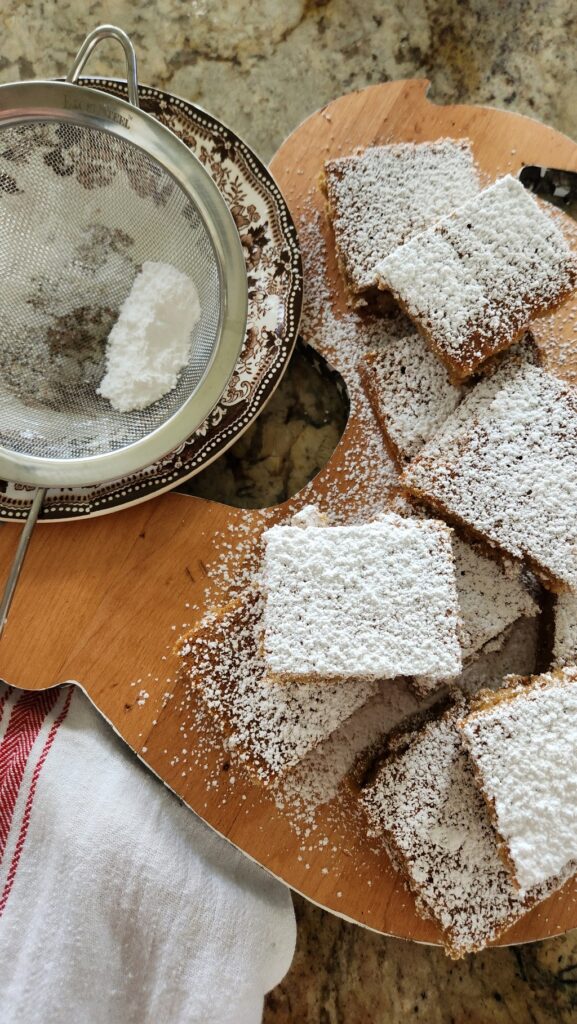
(117, 904)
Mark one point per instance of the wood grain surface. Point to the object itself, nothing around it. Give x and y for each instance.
(102, 601)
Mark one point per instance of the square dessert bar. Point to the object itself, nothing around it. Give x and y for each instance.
(376, 600)
(491, 598)
(522, 743)
(378, 199)
(565, 630)
(492, 595)
(504, 465)
(272, 727)
(426, 808)
(473, 282)
(410, 392)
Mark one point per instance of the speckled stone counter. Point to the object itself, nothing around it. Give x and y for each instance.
(262, 66)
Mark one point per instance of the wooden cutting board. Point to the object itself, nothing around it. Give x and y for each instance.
(101, 601)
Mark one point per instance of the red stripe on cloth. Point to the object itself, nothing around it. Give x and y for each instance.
(30, 800)
(28, 715)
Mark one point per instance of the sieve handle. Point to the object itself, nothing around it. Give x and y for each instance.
(92, 40)
(19, 556)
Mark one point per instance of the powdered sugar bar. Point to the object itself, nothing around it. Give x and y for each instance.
(381, 197)
(410, 392)
(272, 727)
(473, 282)
(352, 745)
(565, 630)
(522, 742)
(505, 465)
(491, 598)
(376, 600)
(425, 806)
(518, 652)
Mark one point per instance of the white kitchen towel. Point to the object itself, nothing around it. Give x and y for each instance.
(117, 904)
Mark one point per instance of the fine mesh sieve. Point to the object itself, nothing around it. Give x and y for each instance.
(90, 189)
(87, 210)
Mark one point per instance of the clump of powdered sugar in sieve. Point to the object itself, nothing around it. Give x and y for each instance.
(55, 325)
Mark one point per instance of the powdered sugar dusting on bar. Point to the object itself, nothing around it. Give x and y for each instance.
(368, 601)
(410, 392)
(316, 779)
(505, 464)
(565, 630)
(476, 279)
(491, 597)
(516, 650)
(425, 805)
(274, 726)
(382, 197)
(524, 749)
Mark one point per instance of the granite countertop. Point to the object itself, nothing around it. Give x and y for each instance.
(262, 66)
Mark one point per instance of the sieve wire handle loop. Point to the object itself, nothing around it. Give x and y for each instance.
(92, 40)
(21, 550)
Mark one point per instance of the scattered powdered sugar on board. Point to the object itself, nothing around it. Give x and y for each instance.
(505, 465)
(474, 281)
(381, 197)
(150, 341)
(376, 600)
(425, 806)
(523, 744)
(367, 476)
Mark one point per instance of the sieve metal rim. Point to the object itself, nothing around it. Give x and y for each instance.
(88, 107)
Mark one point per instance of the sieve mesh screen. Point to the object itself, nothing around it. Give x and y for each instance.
(80, 211)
